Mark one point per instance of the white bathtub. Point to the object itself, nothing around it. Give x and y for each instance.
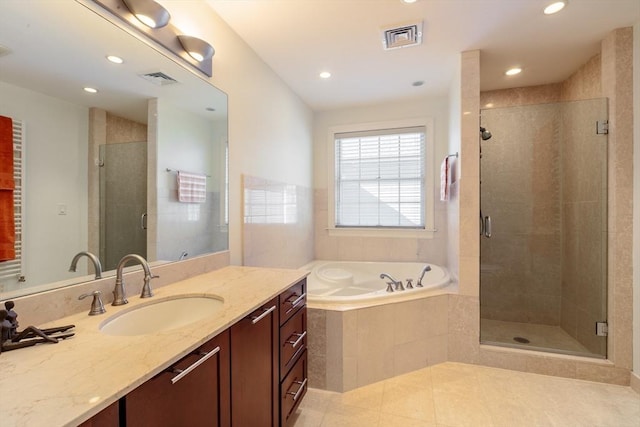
(353, 283)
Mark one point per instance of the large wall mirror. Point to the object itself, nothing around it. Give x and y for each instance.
(99, 170)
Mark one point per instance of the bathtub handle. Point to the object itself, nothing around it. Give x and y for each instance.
(264, 314)
(297, 300)
(295, 343)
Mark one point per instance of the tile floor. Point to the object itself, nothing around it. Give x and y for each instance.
(552, 338)
(454, 394)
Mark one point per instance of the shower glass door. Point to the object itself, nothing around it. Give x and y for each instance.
(123, 201)
(543, 278)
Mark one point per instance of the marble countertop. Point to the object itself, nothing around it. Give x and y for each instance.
(66, 383)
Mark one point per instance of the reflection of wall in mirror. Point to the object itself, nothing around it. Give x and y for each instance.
(55, 175)
(185, 141)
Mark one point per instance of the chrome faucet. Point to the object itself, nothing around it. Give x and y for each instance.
(422, 273)
(392, 282)
(183, 255)
(97, 267)
(119, 297)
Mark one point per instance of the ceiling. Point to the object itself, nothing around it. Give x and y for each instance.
(300, 38)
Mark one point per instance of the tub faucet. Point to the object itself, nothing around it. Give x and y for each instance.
(392, 282)
(97, 267)
(119, 297)
(422, 273)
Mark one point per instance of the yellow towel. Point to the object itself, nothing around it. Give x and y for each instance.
(7, 184)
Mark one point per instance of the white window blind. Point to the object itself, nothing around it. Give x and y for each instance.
(11, 271)
(379, 178)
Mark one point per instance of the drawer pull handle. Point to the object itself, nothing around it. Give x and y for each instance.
(264, 314)
(295, 343)
(296, 395)
(297, 300)
(183, 372)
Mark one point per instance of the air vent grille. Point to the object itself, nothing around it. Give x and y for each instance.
(159, 78)
(402, 36)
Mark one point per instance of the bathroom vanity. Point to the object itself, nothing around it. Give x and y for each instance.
(242, 365)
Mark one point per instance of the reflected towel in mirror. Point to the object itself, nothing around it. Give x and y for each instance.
(7, 185)
(192, 187)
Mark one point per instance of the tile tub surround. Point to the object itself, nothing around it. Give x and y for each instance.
(356, 347)
(460, 395)
(67, 383)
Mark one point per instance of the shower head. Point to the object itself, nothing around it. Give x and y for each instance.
(484, 134)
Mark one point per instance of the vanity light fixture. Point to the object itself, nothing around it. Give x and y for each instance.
(115, 59)
(149, 12)
(197, 48)
(325, 75)
(554, 7)
(513, 71)
(90, 90)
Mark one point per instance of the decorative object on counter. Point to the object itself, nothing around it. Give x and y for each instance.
(11, 339)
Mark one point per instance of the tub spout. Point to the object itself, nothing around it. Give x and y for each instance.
(422, 273)
(392, 282)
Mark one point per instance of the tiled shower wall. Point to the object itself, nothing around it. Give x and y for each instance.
(277, 228)
(521, 191)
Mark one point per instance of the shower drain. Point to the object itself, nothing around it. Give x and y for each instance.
(521, 340)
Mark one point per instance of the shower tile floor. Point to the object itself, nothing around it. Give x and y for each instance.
(459, 395)
(540, 336)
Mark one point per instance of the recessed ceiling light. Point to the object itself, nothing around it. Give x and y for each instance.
(325, 75)
(409, 1)
(554, 7)
(90, 90)
(115, 59)
(513, 71)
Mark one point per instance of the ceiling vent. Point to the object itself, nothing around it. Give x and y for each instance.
(402, 36)
(159, 78)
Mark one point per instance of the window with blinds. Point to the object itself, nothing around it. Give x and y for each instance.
(11, 271)
(379, 178)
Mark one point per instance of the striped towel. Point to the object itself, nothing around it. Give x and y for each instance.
(192, 187)
(444, 180)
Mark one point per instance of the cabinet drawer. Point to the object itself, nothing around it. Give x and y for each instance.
(293, 389)
(293, 340)
(292, 299)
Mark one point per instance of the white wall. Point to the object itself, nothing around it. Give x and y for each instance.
(453, 206)
(270, 128)
(56, 173)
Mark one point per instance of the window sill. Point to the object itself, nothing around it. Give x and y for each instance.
(396, 233)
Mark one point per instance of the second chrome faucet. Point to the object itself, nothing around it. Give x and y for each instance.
(119, 295)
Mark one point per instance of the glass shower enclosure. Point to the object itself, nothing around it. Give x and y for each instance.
(543, 278)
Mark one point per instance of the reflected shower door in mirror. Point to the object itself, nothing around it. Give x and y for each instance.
(123, 201)
(65, 127)
(543, 278)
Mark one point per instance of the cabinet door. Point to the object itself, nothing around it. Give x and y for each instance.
(198, 396)
(108, 417)
(254, 368)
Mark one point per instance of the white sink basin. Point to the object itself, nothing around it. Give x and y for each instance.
(161, 315)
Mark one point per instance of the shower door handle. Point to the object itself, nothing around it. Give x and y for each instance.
(143, 221)
(487, 227)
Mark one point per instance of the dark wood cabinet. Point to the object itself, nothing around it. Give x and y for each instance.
(293, 349)
(108, 417)
(193, 392)
(253, 374)
(255, 368)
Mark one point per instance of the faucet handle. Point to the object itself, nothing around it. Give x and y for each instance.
(97, 307)
(409, 284)
(390, 286)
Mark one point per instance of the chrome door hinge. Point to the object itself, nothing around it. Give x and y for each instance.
(602, 127)
(602, 329)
